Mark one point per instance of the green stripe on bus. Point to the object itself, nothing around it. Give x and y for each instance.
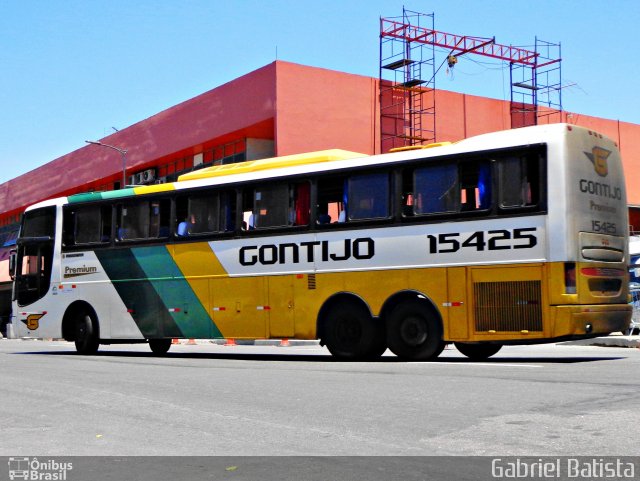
(93, 196)
(138, 294)
(177, 295)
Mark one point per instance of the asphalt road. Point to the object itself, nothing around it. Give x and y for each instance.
(550, 400)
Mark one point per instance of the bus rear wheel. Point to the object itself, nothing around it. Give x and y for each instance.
(159, 346)
(350, 333)
(86, 336)
(414, 332)
(477, 352)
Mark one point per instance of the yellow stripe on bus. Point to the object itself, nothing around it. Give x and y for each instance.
(272, 163)
(153, 189)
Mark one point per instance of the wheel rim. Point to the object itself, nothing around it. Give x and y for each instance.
(81, 330)
(348, 331)
(413, 331)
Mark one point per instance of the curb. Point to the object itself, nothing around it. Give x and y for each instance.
(607, 341)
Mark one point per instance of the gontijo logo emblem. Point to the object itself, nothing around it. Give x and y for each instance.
(598, 157)
(32, 321)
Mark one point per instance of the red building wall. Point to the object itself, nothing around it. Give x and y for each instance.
(321, 109)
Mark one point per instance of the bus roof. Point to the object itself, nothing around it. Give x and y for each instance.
(271, 163)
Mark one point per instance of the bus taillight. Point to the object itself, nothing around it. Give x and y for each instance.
(602, 272)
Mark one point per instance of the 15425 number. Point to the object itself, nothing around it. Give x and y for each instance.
(493, 240)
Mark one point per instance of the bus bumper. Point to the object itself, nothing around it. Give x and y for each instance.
(590, 320)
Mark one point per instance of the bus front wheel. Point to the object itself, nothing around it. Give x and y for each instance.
(159, 346)
(477, 352)
(350, 333)
(414, 332)
(87, 338)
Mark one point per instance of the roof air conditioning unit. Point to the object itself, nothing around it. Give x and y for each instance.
(148, 176)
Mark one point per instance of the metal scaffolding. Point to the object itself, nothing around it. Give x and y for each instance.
(407, 82)
(408, 71)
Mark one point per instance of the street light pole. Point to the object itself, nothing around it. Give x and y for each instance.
(123, 153)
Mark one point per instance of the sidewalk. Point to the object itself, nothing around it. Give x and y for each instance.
(613, 340)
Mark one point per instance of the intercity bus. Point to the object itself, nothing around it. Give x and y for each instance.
(514, 237)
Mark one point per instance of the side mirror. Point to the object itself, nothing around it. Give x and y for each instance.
(12, 263)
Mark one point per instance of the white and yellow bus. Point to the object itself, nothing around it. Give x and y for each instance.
(513, 237)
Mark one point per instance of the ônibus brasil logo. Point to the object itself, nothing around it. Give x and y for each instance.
(33, 469)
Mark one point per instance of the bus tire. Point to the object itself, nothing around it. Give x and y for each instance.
(414, 332)
(350, 333)
(477, 352)
(159, 346)
(86, 336)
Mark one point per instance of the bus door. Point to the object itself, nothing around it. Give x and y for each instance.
(34, 259)
(33, 269)
(458, 319)
(281, 306)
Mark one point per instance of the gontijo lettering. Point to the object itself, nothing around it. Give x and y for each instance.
(600, 189)
(360, 249)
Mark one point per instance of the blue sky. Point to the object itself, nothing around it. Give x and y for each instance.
(72, 70)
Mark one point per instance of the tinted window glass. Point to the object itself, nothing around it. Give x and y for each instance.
(368, 196)
(209, 212)
(39, 223)
(134, 221)
(277, 205)
(92, 224)
(519, 181)
(436, 189)
(450, 188)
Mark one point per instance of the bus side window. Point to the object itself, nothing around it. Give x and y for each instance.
(227, 212)
(300, 203)
(134, 220)
(92, 224)
(331, 200)
(519, 181)
(368, 196)
(159, 213)
(407, 197)
(475, 185)
(450, 188)
(267, 206)
(182, 212)
(203, 214)
(436, 189)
